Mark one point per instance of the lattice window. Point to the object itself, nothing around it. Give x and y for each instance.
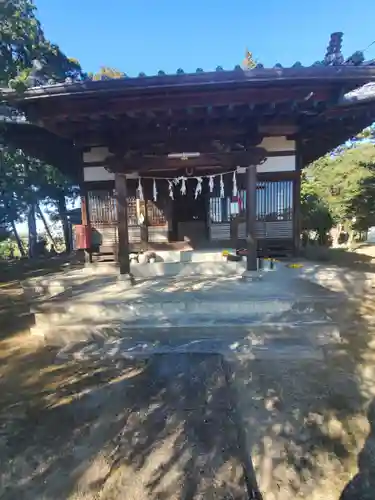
(102, 207)
(274, 202)
(219, 209)
(155, 215)
(133, 216)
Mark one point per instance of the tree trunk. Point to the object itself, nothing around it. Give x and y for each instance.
(40, 213)
(351, 238)
(337, 235)
(32, 231)
(61, 205)
(18, 239)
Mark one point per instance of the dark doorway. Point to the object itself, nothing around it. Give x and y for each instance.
(189, 214)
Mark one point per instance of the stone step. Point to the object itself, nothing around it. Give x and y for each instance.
(231, 338)
(117, 349)
(207, 268)
(52, 286)
(204, 265)
(176, 313)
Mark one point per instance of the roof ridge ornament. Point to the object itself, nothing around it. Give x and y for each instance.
(356, 59)
(334, 55)
(249, 61)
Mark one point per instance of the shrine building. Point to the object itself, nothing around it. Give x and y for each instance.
(201, 160)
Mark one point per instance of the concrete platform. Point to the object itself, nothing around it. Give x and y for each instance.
(239, 342)
(178, 264)
(197, 314)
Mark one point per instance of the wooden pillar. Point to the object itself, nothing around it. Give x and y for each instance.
(144, 224)
(122, 221)
(85, 219)
(297, 214)
(297, 199)
(84, 209)
(251, 207)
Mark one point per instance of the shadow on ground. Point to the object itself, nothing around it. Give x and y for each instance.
(16, 270)
(180, 427)
(158, 429)
(362, 486)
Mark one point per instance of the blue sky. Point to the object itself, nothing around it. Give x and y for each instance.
(148, 35)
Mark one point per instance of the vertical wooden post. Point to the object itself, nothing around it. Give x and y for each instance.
(297, 199)
(122, 221)
(84, 212)
(144, 224)
(251, 208)
(297, 214)
(85, 219)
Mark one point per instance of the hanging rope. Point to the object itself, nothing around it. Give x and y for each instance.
(176, 180)
(154, 191)
(170, 187)
(140, 190)
(198, 188)
(183, 186)
(234, 185)
(222, 192)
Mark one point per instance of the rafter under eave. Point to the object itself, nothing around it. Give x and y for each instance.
(156, 163)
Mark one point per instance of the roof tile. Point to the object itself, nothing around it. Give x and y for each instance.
(333, 57)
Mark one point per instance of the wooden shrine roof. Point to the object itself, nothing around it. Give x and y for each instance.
(300, 92)
(327, 103)
(257, 79)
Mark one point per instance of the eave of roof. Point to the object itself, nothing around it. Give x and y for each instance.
(360, 95)
(257, 77)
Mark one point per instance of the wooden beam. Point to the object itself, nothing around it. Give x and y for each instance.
(251, 207)
(157, 163)
(176, 100)
(135, 133)
(277, 130)
(187, 144)
(122, 215)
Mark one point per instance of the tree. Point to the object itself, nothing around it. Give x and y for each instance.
(346, 185)
(315, 214)
(54, 189)
(248, 62)
(22, 42)
(28, 58)
(24, 184)
(106, 73)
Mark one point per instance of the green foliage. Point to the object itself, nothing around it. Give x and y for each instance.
(26, 181)
(315, 213)
(9, 249)
(14, 191)
(367, 133)
(249, 62)
(28, 58)
(106, 73)
(342, 186)
(22, 41)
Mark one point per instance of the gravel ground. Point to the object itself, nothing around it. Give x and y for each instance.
(101, 430)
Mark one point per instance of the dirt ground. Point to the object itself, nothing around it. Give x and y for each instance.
(80, 430)
(147, 429)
